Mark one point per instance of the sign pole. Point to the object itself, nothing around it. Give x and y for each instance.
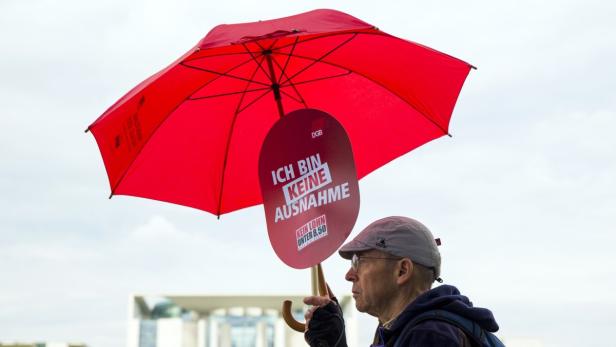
(314, 279)
(309, 187)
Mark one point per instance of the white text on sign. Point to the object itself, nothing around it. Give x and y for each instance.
(312, 200)
(306, 184)
(287, 172)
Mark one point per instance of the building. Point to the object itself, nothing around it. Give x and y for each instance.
(41, 344)
(220, 321)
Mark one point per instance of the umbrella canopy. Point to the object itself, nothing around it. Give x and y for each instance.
(191, 134)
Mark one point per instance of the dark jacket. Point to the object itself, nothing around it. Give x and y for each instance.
(434, 332)
(326, 328)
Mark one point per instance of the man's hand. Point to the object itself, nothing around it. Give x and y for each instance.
(324, 321)
(316, 302)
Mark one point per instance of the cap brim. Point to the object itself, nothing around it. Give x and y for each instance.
(351, 248)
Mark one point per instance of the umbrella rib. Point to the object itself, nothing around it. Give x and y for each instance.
(259, 63)
(217, 77)
(273, 43)
(286, 63)
(339, 33)
(301, 101)
(223, 74)
(143, 146)
(289, 44)
(367, 32)
(238, 107)
(282, 73)
(113, 189)
(189, 66)
(324, 78)
(214, 55)
(321, 57)
(289, 79)
(378, 33)
(270, 47)
(301, 98)
(381, 85)
(236, 113)
(253, 101)
(227, 94)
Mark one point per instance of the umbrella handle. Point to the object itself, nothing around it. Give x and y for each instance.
(286, 305)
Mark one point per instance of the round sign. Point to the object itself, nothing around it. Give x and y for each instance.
(309, 187)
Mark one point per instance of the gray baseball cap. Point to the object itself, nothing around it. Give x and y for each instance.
(398, 236)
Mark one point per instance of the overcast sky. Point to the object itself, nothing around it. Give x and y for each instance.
(523, 196)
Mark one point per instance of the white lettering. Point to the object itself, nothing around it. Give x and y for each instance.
(312, 200)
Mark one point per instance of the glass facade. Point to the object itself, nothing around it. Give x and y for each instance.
(243, 330)
(147, 333)
(211, 321)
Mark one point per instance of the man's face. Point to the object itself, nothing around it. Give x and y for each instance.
(374, 282)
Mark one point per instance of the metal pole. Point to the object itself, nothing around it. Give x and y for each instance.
(275, 85)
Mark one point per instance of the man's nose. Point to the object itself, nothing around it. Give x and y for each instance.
(351, 275)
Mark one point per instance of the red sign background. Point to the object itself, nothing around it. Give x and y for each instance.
(309, 187)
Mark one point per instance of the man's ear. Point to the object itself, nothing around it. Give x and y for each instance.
(405, 270)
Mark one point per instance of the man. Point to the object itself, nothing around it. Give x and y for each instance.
(394, 262)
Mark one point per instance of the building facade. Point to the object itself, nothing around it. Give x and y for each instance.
(220, 321)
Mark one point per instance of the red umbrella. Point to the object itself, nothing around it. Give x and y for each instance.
(191, 134)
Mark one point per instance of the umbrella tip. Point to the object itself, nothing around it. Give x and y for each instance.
(87, 130)
(448, 134)
(473, 67)
(110, 195)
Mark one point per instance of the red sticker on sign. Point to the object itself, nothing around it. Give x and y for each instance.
(309, 187)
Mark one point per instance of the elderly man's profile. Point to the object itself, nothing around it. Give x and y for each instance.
(394, 262)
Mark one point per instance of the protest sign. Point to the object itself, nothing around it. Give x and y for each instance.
(309, 187)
